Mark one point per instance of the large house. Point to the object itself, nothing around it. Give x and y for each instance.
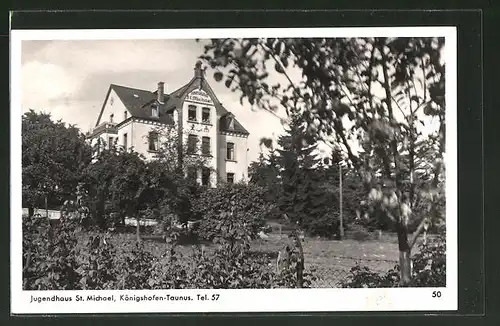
(131, 118)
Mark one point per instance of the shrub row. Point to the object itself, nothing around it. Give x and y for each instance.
(56, 262)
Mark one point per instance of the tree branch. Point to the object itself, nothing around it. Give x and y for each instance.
(273, 55)
(388, 100)
(419, 230)
(370, 68)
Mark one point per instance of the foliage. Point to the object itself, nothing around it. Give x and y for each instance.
(374, 97)
(429, 270)
(265, 173)
(429, 264)
(129, 183)
(49, 255)
(96, 265)
(233, 213)
(53, 157)
(358, 232)
(300, 197)
(115, 183)
(363, 277)
(237, 268)
(97, 271)
(175, 190)
(138, 269)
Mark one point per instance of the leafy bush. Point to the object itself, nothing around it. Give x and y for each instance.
(429, 270)
(137, 270)
(63, 257)
(363, 277)
(49, 255)
(429, 264)
(98, 271)
(234, 213)
(231, 268)
(326, 226)
(358, 232)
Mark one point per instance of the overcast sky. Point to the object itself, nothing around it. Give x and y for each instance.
(70, 79)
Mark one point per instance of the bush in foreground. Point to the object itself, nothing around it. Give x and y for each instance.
(429, 270)
(57, 263)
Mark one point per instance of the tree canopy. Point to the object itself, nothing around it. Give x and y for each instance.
(381, 100)
(53, 158)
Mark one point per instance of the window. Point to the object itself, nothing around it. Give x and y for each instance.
(205, 115)
(191, 146)
(154, 111)
(192, 113)
(125, 141)
(153, 141)
(111, 141)
(230, 151)
(111, 116)
(125, 115)
(230, 178)
(205, 146)
(205, 177)
(192, 175)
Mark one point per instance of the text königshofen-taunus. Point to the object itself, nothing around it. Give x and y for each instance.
(123, 297)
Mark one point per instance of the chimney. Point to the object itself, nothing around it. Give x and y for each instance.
(198, 72)
(161, 92)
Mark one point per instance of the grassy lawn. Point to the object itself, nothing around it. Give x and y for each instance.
(329, 260)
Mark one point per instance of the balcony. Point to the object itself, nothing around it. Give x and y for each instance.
(105, 127)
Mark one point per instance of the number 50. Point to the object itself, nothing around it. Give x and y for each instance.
(436, 294)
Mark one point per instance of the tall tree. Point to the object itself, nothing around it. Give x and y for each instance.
(381, 99)
(265, 173)
(129, 185)
(53, 157)
(301, 198)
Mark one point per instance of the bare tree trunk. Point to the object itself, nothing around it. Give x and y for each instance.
(404, 254)
(341, 208)
(405, 247)
(300, 261)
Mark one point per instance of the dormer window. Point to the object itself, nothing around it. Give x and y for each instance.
(154, 111)
(192, 113)
(230, 122)
(205, 115)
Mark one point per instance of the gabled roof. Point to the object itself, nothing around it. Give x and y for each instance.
(237, 128)
(138, 102)
(135, 101)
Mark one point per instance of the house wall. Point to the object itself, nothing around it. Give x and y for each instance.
(240, 165)
(113, 106)
(139, 130)
(201, 100)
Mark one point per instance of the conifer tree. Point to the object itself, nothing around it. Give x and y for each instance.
(300, 197)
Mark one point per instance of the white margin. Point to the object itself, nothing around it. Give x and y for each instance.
(276, 300)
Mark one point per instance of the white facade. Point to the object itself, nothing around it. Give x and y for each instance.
(193, 111)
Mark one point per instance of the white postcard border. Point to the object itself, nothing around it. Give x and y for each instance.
(253, 300)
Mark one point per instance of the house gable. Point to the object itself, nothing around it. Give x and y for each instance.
(200, 83)
(113, 105)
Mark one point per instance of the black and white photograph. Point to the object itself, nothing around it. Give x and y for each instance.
(171, 171)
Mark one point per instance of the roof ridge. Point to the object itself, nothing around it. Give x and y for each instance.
(134, 88)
